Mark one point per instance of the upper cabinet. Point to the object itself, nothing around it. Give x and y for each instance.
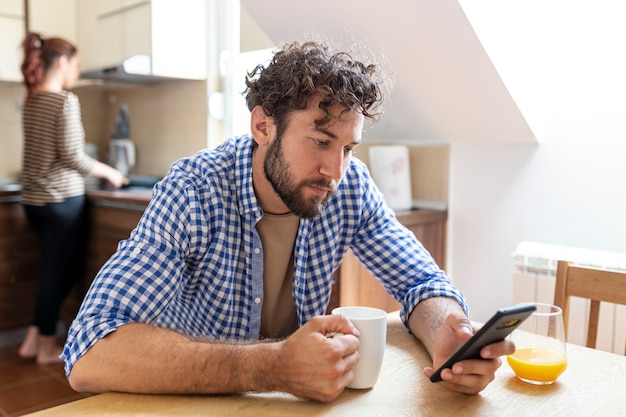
(12, 31)
(111, 31)
(172, 34)
(54, 18)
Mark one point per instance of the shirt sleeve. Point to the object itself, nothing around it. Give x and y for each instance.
(396, 258)
(138, 281)
(71, 136)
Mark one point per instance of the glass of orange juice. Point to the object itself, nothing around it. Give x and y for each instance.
(540, 355)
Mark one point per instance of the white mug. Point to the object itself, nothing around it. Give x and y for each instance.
(372, 324)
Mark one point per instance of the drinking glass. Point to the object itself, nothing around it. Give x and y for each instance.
(540, 355)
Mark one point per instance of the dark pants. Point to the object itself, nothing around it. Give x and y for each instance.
(62, 230)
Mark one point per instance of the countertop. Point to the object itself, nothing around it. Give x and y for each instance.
(134, 195)
(142, 195)
(10, 193)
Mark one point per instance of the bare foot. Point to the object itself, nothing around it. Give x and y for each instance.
(28, 349)
(48, 351)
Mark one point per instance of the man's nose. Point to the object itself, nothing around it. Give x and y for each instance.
(333, 165)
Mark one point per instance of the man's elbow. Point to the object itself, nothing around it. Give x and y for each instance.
(79, 378)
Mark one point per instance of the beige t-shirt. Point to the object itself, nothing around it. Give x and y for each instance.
(278, 235)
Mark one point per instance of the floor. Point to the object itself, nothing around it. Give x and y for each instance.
(26, 387)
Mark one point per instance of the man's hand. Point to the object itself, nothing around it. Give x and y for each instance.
(313, 365)
(469, 376)
(443, 327)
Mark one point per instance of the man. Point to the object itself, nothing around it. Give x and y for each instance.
(238, 246)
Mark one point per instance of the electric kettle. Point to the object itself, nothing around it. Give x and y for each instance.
(121, 155)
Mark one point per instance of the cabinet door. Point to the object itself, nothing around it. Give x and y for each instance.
(19, 261)
(12, 8)
(356, 285)
(54, 18)
(12, 32)
(108, 226)
(136, 24)
(179, 36)
(111, 31)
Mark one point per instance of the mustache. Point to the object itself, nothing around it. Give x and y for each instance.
(331, 185)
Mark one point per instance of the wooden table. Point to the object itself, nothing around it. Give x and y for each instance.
(592, 385)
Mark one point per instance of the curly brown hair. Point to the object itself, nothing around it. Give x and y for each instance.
(301, 70)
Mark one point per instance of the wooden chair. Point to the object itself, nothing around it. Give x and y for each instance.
(594, 284)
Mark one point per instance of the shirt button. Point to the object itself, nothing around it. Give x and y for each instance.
(136, 250)
(257, 251)
(257, 300)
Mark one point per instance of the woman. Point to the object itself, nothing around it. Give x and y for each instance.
(53, 194)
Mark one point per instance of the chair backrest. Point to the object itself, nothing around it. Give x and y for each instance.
(594, 284)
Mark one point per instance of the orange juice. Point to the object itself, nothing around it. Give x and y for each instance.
(537, 365)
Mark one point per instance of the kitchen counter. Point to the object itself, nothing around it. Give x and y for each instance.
(10, 193)
(136, 196)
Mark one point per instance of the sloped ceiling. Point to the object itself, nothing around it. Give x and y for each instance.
(446, 90)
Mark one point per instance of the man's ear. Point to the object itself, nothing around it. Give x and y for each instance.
(261, 126)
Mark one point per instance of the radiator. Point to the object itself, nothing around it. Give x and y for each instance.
(534, 278)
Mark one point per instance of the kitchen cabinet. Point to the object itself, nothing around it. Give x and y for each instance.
(12, 32)
(172, 33)
(19, 260)
(110, 220)
(111, 31)
(356, 286)
(110, 223)
(58, 18)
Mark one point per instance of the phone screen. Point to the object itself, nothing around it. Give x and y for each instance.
(497, 328)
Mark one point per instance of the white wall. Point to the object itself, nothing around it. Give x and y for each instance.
(569, 193)
(564, 63)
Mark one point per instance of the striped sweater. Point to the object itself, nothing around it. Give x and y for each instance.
(54, 160)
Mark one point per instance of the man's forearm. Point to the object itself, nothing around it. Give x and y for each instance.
(428, 317)
(146, 359)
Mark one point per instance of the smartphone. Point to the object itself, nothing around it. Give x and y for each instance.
(496, 329)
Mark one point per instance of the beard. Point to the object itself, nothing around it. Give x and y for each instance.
(279, 174)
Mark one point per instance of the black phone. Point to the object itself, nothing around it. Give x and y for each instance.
(497, 328)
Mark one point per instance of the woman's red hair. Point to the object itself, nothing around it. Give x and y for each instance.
(39, 55)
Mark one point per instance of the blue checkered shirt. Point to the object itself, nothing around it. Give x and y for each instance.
(194, 263)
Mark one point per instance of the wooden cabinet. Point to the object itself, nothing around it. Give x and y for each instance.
(19, 262)
(172, 34)
(110, 222)
(355, 286)
(12, 32)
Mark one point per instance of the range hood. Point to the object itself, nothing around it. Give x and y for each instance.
(136, 69)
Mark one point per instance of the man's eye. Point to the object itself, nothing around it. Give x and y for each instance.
(320, 142)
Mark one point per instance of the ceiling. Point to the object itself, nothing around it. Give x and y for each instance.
(446, 89)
